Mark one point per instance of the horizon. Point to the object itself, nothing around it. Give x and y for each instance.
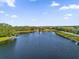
(39, 12)
(41, 25)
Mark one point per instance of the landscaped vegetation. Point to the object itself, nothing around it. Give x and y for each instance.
(67, 35)
(7, 31)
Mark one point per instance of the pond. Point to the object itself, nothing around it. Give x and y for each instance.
(40, 45)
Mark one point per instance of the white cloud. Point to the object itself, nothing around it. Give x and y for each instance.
(67, 16)
(72, 6)
(7, 15)
(55, 4)
(10, 3)
(1, 12)
(32, 0)
(45, 13)
(14, 16)
(34, 19)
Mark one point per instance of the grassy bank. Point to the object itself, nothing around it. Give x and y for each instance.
(6, 38)
(71, 36)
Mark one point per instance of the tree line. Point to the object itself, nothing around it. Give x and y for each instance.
(9, 30)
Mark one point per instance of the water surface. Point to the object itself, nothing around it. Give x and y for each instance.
(43, 45)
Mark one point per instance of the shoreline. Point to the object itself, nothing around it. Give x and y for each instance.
(69, 36)
(2, 39)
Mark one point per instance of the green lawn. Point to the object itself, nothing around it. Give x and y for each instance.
(68, 35)
(4, 38)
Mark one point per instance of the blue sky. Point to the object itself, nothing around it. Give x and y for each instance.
(39, 12)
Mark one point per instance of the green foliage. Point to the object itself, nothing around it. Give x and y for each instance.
(68, 35)
(6, 30)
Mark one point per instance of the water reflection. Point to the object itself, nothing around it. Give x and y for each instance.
(7, 42)
(7, 50)
(44, 45)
